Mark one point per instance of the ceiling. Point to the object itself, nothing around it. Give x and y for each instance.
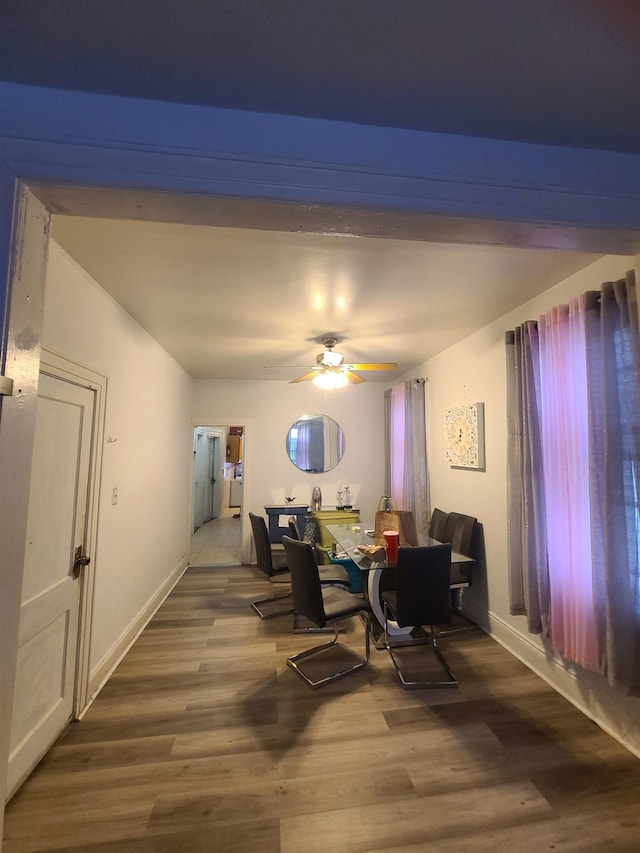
(228, 301)
(563, 72)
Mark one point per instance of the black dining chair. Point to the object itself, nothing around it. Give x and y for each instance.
(281, 574)
(294, 528)
(323, 606)
(421, 598)
(438, 525)
(460, 534)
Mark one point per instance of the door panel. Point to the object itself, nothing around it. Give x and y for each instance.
(49, 614)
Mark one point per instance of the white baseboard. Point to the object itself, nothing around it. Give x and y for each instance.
(101, 673)
(616, 714)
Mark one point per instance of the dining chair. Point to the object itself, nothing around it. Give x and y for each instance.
(323, 606)
(264, 558)
(407, 528)
(421, 598)
(280, 574)
(294, 528)
(438, 525)
(460, 534)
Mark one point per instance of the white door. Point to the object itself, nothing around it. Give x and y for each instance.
(217, 476)
(200, 482)
(49, 614)
(210, 479)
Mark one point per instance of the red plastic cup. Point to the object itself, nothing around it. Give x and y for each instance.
(392, 539)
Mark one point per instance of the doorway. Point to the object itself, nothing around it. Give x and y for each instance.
(216, 538)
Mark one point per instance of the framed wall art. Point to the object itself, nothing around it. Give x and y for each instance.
(464, 436)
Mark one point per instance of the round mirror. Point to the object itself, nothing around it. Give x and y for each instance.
(315, 443)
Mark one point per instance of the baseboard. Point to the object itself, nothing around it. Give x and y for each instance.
(614, 713)
(105, 667)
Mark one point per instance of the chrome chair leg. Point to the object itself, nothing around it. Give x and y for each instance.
(407, 684)
(462, 629)
(258, 601)
(292, 661)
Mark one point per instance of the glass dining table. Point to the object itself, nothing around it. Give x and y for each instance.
(347, 538)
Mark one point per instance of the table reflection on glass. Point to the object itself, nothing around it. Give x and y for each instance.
(349, 536)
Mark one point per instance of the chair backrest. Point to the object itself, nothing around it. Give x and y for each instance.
(408, 530)
(460, 532)
(262, 543)
(423, 594)
(438, 525)
(305, 581)
(294, 529)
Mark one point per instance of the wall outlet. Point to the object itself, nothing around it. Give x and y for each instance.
(114, 496)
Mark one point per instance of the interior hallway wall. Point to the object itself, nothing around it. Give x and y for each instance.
(143, 540)
(474, 371)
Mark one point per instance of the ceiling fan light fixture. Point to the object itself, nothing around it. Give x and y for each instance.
(330, 379)
(330, 358)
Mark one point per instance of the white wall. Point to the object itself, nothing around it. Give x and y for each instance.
(472, 371)
(143, 541)
(267, 409)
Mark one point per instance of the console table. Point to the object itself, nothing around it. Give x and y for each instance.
(275, 515)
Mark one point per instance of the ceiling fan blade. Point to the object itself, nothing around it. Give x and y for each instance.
(381, 365)
(304, 378)
(353, 377)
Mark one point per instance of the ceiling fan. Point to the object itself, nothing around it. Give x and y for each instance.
(331, 371)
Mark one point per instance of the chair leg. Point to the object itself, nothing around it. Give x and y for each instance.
(407, 684)
(258, 601)
(292, 662)
(456, 607)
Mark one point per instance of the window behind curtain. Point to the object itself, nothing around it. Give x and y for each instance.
(573, 397)
(397, 445)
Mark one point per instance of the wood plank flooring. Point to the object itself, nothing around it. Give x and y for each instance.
(217, 543)
(203, 741)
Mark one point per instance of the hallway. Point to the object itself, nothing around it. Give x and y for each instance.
(217, 543)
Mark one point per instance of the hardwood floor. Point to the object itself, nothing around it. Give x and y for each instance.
(203, 740)
(217, 543)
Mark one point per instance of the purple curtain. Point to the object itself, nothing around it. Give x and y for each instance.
(573, 399)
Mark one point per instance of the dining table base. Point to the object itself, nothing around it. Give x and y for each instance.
(373, 594)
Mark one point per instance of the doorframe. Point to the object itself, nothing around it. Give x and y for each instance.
(60, 367)
(247, 424)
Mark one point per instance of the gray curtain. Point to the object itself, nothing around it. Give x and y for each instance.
(613, 371)
(526, 528)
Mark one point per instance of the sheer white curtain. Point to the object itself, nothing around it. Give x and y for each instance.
(573, 396)
(565, 462)
(406, 451)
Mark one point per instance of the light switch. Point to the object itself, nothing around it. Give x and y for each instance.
(114, 496)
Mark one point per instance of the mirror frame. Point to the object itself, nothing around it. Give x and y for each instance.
(336, 448)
